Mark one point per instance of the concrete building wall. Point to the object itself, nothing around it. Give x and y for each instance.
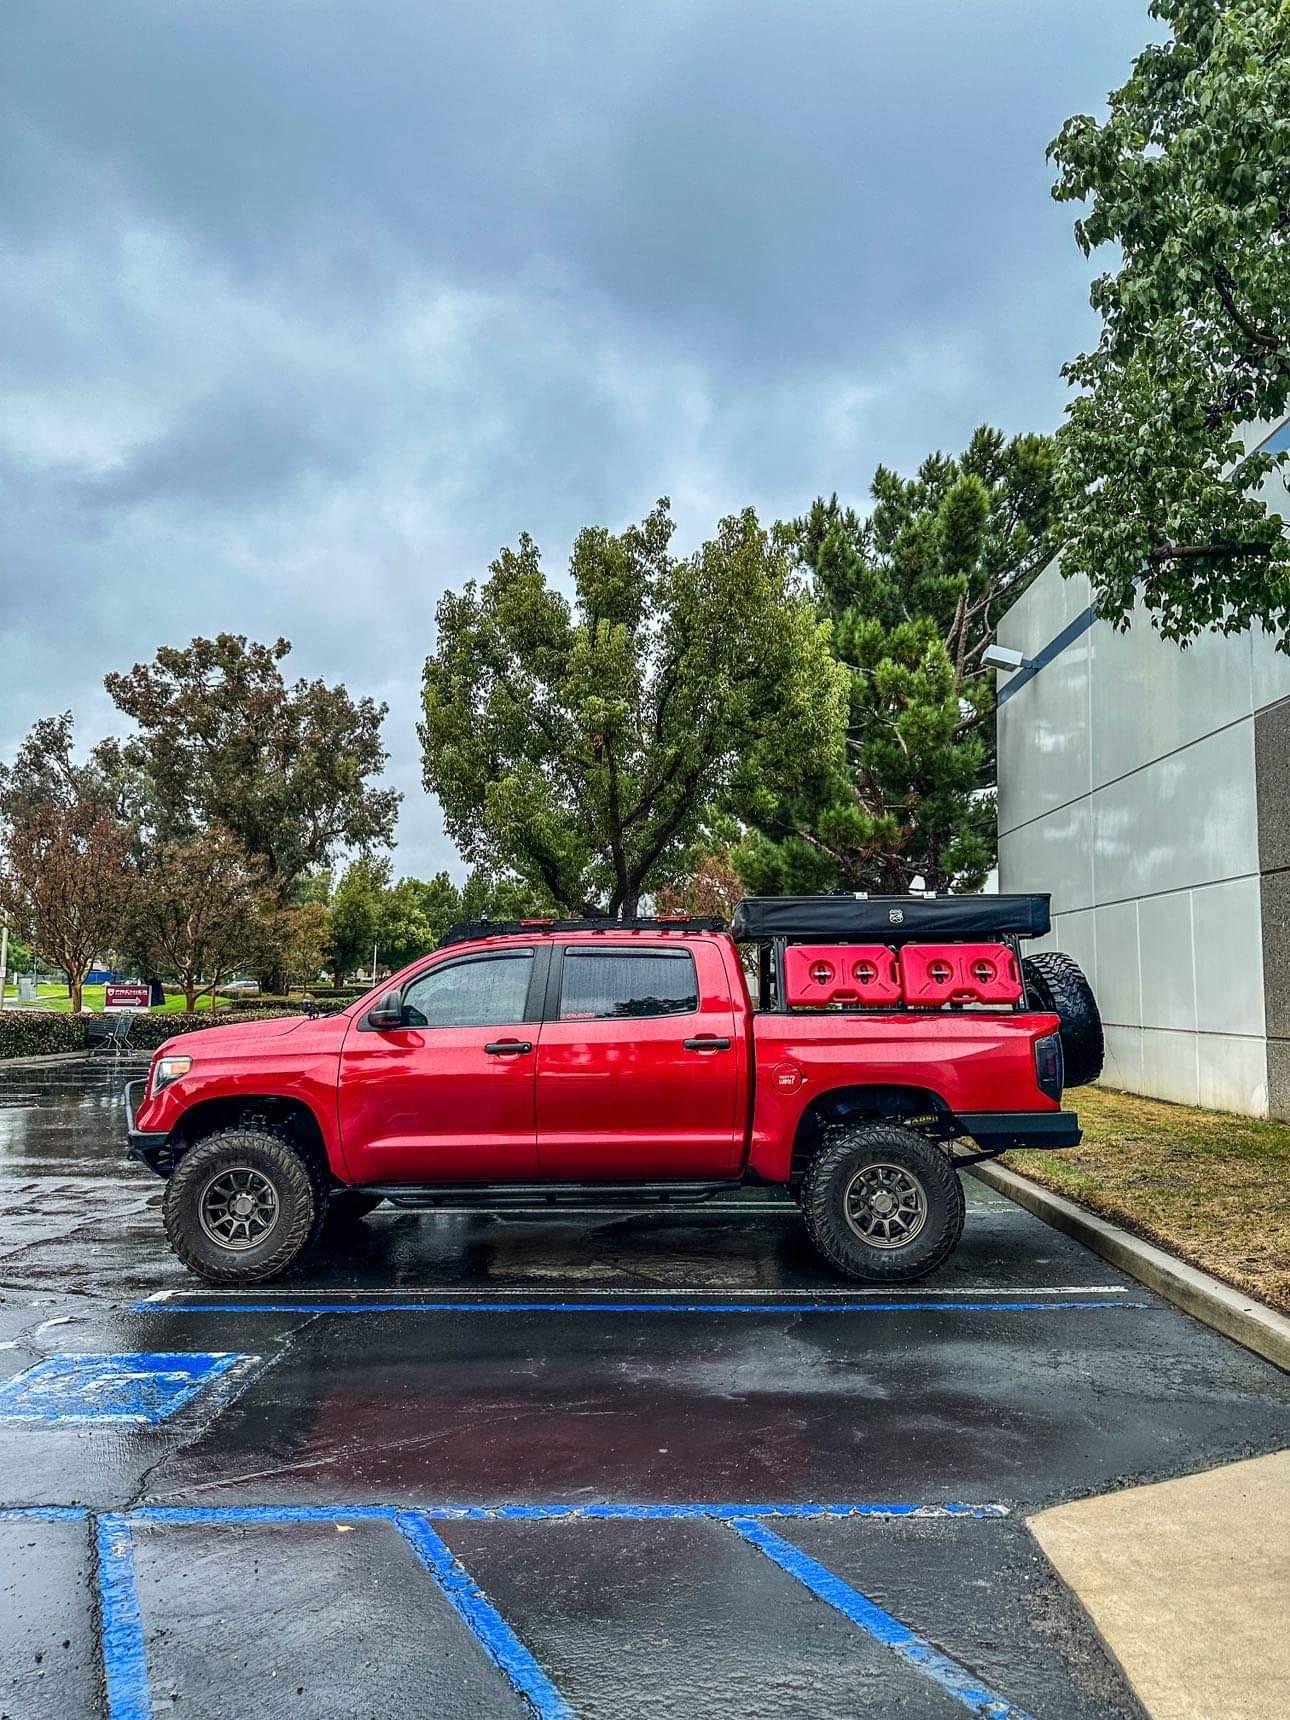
(1148, 788)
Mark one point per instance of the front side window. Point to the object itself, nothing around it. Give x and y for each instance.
(601, 985)
(489, 992)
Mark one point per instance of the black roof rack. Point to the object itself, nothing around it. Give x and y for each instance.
(468, 930)
(889, 919)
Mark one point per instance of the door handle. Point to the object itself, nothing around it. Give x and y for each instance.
(707, 1044)
(508, 1047)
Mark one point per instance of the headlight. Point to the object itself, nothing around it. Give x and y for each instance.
(168, 1069)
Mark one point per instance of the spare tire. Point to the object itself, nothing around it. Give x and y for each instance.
(1055, 984)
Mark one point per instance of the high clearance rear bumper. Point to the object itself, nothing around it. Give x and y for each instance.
(997, 1131)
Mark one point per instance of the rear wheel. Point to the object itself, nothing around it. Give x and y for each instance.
(881, 1203)
(240, 1207)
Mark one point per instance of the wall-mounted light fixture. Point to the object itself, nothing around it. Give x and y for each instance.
(1004, 657)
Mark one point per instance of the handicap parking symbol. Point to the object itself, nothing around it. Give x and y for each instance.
(140, 1388)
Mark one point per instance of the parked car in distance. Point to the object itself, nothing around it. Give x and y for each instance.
(895, 1040)
(246, 986)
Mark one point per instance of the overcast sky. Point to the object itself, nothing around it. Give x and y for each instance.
(308, 306)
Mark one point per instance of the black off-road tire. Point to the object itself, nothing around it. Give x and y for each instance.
(300, 1207)
(846, 1152)
(1056, 985)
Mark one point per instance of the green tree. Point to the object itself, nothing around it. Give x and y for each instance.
(416, 913)
(914, 591)
(358, 911)
(198, 911)
(1189, 177)
(291, 945)
(713, 887)
(46, 773)
(68, 885)
(580, 748)
(493, 895)
(224, 741)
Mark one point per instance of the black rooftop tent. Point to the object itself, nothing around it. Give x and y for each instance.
(890, 919)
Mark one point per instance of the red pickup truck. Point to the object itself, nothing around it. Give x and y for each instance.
(549, 1060)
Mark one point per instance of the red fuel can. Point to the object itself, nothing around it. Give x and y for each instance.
(819, 975)
(934, 974)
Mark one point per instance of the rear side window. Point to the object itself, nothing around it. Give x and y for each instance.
(490, 992)
(609, 985)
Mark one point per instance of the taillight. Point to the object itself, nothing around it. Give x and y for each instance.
(1048, 1065)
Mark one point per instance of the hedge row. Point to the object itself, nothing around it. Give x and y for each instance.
(325, 1000)
(40, 1032)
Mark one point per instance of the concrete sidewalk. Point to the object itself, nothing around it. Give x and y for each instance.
(1188, 1583)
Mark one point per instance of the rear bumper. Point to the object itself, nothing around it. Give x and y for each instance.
(996, 1131)
(149, 1146)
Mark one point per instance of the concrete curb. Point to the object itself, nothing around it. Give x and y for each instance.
(1229, 1311)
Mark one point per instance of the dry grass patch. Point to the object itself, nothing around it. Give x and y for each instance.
(1209, 1186)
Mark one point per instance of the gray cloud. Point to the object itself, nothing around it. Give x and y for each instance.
(306, 308)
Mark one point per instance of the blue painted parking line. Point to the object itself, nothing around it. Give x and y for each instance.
(125, 1660)
(125, 1656)
(956, 1680)
(496, 1637)
(43, 1514)
(139, 1388)
(317, 1306)
(669, 1292)
(190, 1514)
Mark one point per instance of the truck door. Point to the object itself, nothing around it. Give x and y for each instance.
(640, 1065)
(449, 1096)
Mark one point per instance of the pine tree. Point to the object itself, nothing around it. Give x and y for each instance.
(914, 591)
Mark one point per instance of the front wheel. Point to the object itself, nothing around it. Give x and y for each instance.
(881, 1203)
(240, 1206)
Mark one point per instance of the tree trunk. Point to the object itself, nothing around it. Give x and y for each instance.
(74, 992)
(190, 994)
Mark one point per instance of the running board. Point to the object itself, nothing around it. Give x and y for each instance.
(554, 1195)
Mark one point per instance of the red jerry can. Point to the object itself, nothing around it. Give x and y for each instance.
(817, 975)
(933, 974)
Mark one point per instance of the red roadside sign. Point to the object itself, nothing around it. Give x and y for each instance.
(125, 997)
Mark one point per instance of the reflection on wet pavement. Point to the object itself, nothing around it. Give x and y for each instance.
(1029, 1372)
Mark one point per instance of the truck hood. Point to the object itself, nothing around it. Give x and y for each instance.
(242, 1036)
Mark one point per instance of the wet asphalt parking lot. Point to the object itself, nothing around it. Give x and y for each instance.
(607, 1464)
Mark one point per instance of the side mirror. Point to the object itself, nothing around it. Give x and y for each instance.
(387, 1013)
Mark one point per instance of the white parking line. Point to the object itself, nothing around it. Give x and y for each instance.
(631, 1293)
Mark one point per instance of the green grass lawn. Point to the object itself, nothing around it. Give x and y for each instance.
(1207, 1185)
(54, 997)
